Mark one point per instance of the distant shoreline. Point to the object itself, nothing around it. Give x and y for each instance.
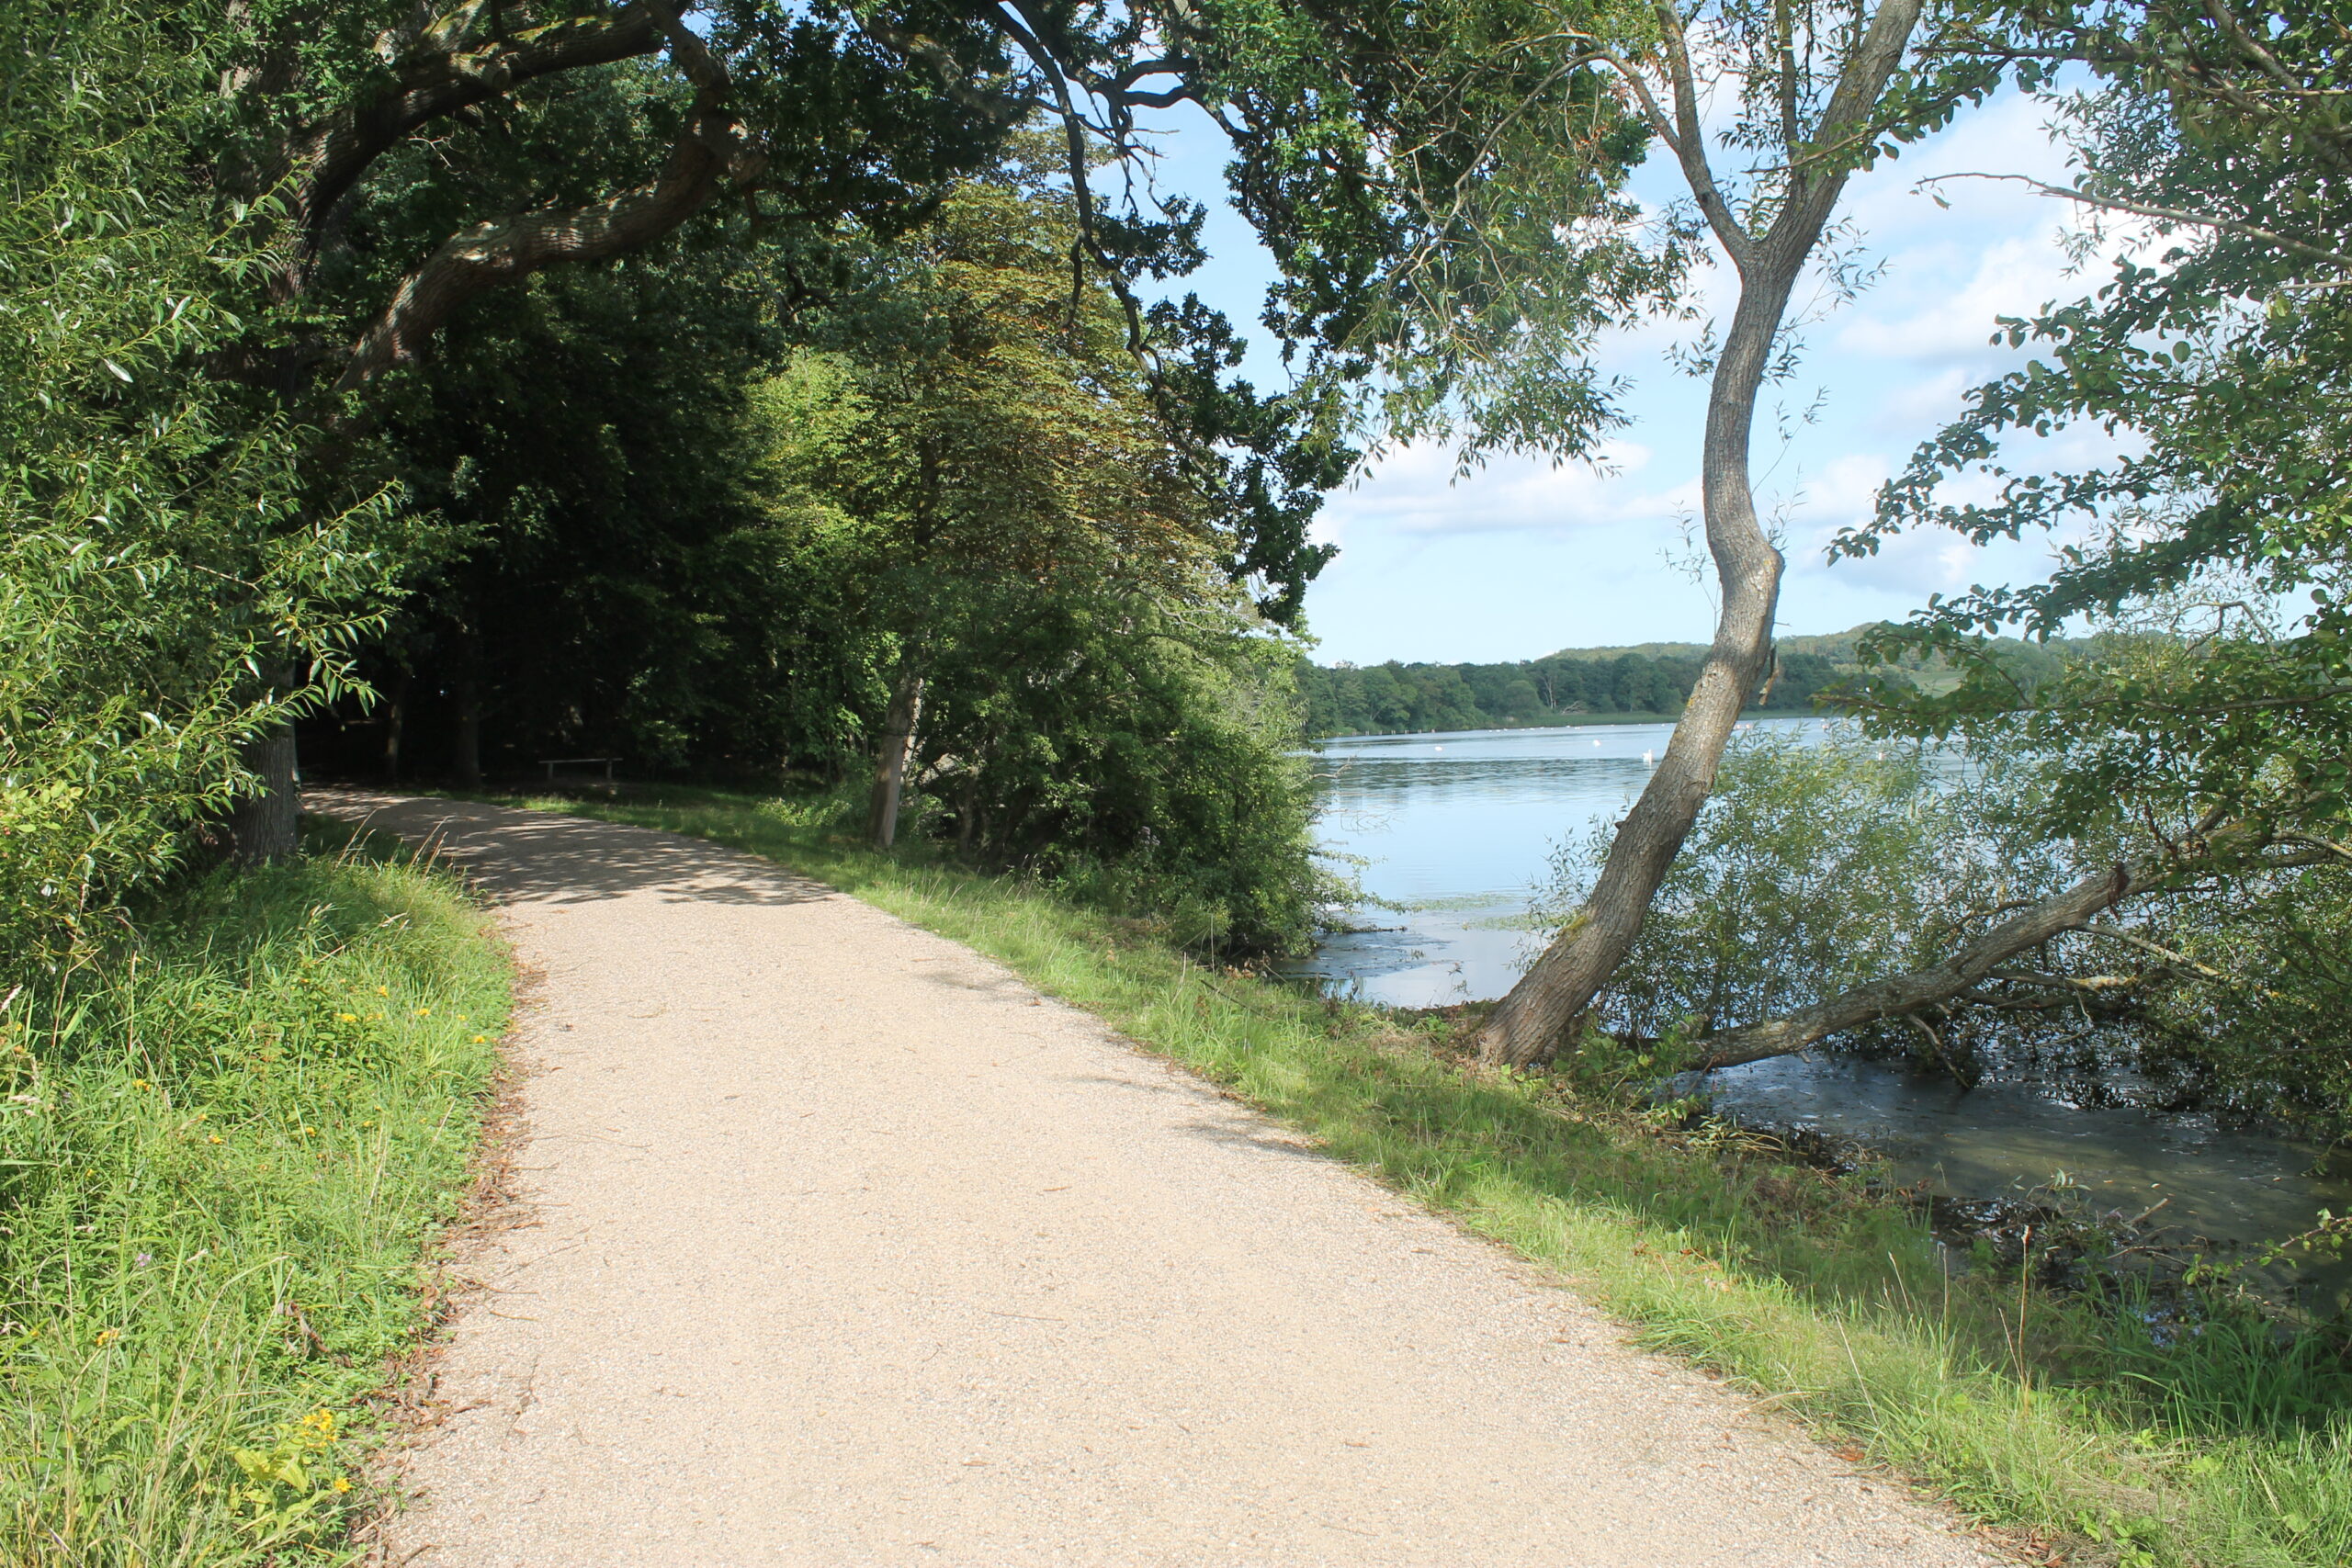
(1563, 721)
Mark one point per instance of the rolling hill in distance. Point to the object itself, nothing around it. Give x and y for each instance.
(1644, 682)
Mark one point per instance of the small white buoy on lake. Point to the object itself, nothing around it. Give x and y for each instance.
(1649, 759)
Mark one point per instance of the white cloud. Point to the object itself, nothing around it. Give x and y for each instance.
(1413, 490)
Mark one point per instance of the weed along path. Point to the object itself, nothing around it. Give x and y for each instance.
(845, 1246)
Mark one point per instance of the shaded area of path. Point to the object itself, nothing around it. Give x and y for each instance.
(848, 1247)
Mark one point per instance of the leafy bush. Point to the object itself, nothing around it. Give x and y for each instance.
(1814, 870)
(1139, 756)
(1811, 870)
(156, 555)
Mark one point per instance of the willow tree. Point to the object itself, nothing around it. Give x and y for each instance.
(1446, 188)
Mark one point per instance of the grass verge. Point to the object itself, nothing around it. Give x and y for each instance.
(2084, 1433)
(225, 1152)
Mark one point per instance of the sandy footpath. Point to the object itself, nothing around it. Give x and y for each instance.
(848, 1247)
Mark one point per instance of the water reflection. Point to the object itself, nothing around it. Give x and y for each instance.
(1457, 832)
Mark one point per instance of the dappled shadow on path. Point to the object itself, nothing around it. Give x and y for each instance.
(519, 856)
(1235, 1128)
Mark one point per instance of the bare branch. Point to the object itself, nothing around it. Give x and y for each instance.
(2163, 214)
(1689, 142)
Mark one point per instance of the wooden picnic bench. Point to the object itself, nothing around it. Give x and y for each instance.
(552, 763)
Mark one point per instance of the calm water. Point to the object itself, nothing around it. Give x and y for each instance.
(1456, 833)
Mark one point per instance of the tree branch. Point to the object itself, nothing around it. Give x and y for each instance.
(2074, 910)
(1689, 142)
(2163, 214)
(456, 71)
(711, 154)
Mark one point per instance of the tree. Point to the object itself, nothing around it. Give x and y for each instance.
(967, 423)
(766, 121)
(2216, 735)
(148, 556)
(1444, 187)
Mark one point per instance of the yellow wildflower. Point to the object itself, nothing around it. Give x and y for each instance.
(108, 1335)
(341, 1484)
(346, 1017)
(214, 1139)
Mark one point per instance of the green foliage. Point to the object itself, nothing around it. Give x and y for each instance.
(1134, 755)
(969, 458)
(1816, 870)
(2220, 348)
(227, 1146)
(156, 551)
(709, 537)
(1444, 188)
(1811, 869)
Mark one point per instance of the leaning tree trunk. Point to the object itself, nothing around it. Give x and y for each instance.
(1549, 1001)
(890, 758)
(1546, 1004)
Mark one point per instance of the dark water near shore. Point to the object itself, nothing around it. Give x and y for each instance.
(1456, 832)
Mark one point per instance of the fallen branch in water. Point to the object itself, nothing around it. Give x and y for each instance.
(1987, 958)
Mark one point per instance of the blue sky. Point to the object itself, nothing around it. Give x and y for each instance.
(1524, 557)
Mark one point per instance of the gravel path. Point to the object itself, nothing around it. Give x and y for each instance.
(848, 1247)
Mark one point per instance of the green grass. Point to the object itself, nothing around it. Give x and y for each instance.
(2068, 1426)
(225, 1153)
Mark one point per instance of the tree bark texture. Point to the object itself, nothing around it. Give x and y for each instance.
(264, 827)
(890, 759)
(1543, 1011)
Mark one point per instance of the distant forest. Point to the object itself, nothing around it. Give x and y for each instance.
(1577, 686)
(1562, 688)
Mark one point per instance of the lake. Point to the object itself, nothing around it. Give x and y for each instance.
(1454, 834)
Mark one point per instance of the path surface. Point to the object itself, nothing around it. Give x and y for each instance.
(850, 1248)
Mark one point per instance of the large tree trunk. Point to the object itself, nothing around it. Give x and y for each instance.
(891, 757)
(264, 827)
(1545, 1006)
(395, 725)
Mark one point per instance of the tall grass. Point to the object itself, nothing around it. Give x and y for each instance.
(2075, 1426)
(223, 1153)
